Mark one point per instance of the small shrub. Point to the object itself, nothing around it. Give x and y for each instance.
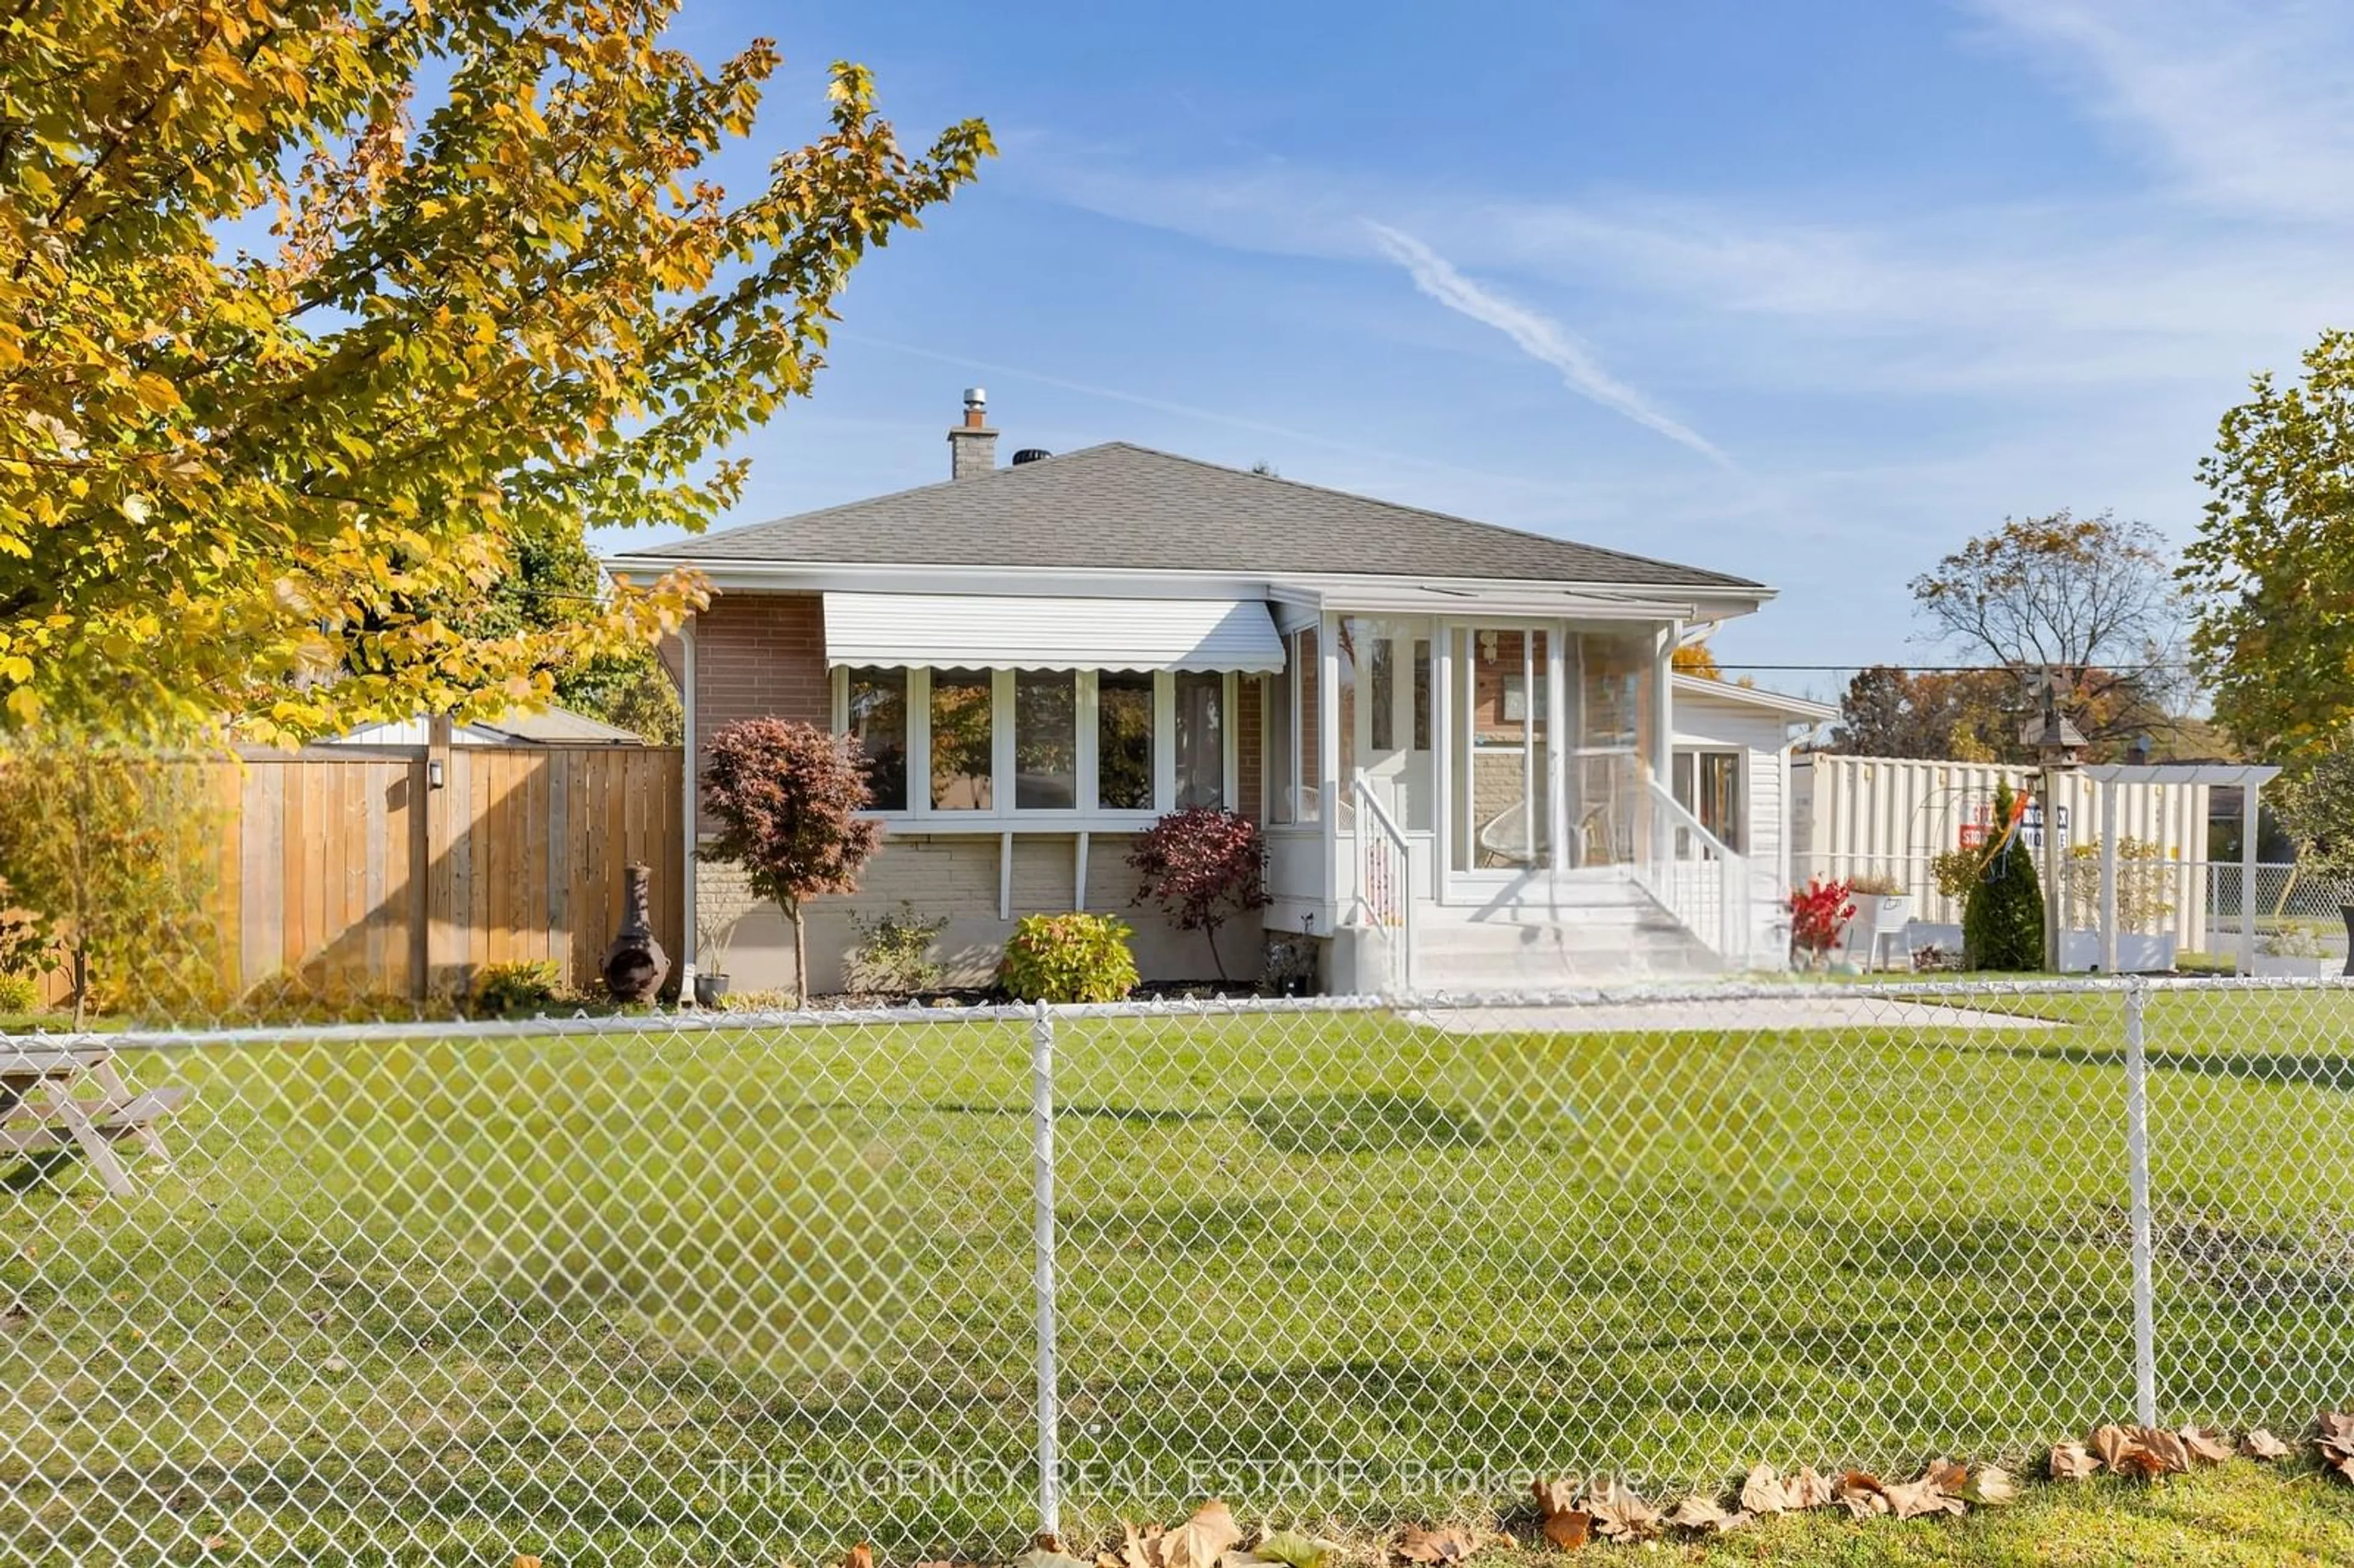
(1202, 866)
(1069, 957)
(2294, 941)
(772, 1000)
(2002, 924)
(517, 990)
(1876, 885)
(893, 953)
(1957, 871)
(1819, 913)
(19, 993)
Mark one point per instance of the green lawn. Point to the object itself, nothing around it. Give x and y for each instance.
(731, 1296)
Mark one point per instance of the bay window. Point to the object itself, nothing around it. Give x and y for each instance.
(995, 746)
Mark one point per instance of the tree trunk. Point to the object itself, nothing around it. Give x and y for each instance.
(800, 954)
(1217, 959)
(80, 984)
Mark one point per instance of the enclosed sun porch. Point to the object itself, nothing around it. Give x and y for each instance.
(1434, 780)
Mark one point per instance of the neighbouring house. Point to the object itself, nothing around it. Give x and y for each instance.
(516, 726)
(1473, 759)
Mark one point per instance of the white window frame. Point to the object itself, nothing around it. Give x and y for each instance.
(1003, 816)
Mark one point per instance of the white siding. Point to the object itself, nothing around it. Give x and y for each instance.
(1714, 725)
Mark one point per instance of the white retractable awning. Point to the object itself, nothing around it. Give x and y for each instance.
(976, 630)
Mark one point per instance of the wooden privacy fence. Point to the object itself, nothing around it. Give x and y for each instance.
(349, 872)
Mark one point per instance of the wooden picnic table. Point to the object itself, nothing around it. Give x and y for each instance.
(47, 1103)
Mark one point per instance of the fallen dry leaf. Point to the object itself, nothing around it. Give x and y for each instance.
(1620, 1515)
(221, 1543)
(1697, 1512)
(1862, 1493)
(1762, 1491)
(1050, 1557)
(1202, 1540)
(2258, 1444)
(2111, 1442)
(1566, 1525)
(1810, 1488)
(1989, 1487)
(1139, 1550)
(2334, 1441)
(2071, 1462)
(1912, 1500)
(1444, 1544)
(1946, 1474)
(2204, 1445)
(1294, 1549)
(523, 1560)
(2172, 1453)
(860, 1556)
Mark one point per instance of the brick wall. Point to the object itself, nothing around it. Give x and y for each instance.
(1250, 746)
(761, 655)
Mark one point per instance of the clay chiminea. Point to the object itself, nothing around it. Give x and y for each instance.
(635, 966)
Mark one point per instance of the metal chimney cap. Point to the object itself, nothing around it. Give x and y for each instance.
(976, 397)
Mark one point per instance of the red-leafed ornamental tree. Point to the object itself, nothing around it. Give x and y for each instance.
(788, 796)
(1202, 866)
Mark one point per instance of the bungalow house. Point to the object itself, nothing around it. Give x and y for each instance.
(1473, 760)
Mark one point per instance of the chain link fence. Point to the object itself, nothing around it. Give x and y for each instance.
(738, 1289)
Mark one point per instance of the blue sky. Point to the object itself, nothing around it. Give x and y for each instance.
(1809, 292)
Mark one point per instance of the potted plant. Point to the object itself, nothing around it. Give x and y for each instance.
(2315, 805)
(721, 902)
(1881, 909)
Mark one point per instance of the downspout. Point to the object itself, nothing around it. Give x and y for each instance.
(690, 810)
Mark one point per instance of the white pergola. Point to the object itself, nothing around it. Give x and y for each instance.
(2249, 778)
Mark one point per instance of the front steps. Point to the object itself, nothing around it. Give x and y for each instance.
(1574, 933)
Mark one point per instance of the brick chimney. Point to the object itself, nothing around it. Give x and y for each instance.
(972, 446)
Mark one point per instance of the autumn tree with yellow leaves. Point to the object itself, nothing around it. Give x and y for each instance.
(242, 475)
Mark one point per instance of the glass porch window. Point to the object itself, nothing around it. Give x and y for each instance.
(963, 741)
(1613, 688)
(1124, 740)
(1502, 816)
(878, 721)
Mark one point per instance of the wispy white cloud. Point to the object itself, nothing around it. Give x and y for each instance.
(1538, 336)
(2243, 101)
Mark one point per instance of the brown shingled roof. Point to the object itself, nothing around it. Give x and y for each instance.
(1117, 505)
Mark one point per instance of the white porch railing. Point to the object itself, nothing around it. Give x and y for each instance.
(1384, 892)
(1694, 876)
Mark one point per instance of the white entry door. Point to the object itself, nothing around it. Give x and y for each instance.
(1387, 671)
